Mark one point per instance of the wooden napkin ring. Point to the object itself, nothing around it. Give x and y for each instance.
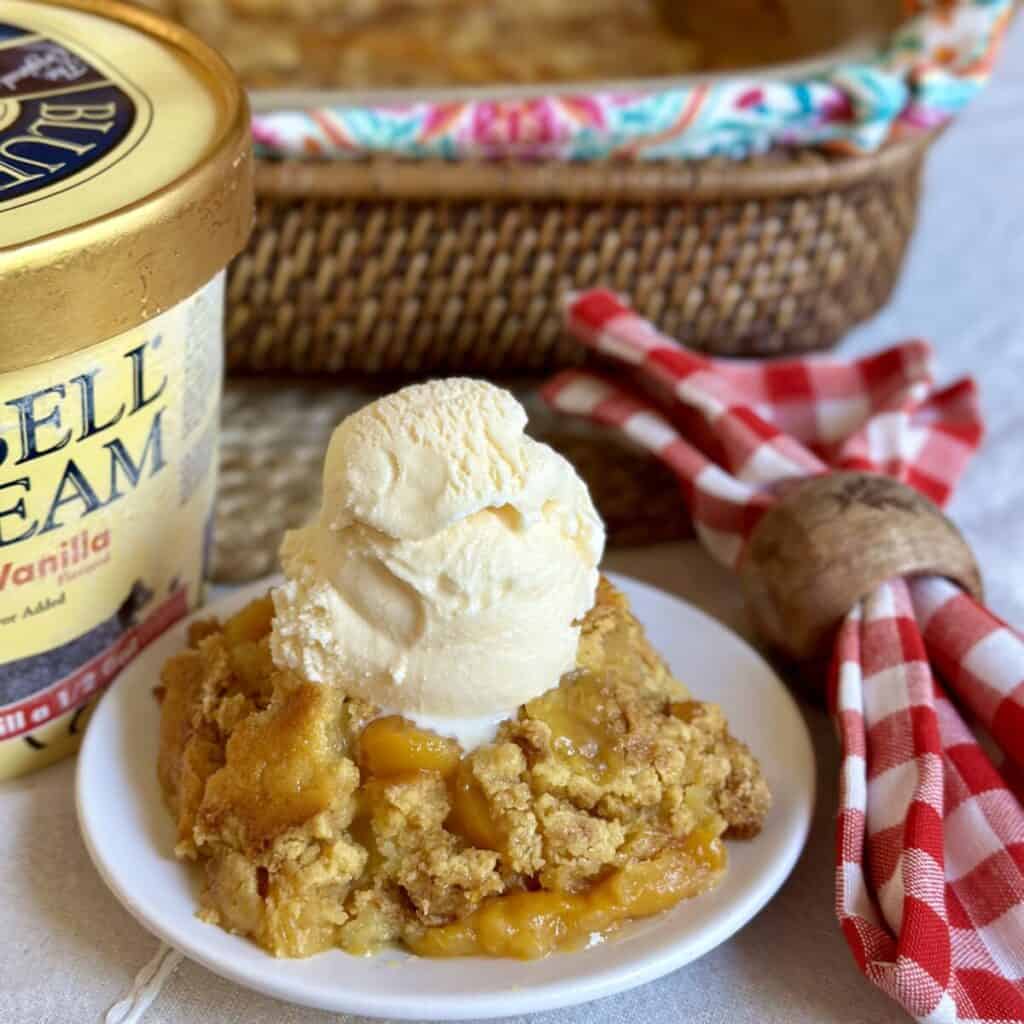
(830, 541)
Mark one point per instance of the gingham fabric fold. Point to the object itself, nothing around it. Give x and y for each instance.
(930, 835)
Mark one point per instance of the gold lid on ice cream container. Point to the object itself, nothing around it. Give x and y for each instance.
(125, 172)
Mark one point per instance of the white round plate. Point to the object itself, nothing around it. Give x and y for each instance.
(131, 839)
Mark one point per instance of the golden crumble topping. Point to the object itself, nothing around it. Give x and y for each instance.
(375, 44)
(401, 43)
(317, 823)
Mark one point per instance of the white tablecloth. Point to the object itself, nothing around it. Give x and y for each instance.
(68, 950)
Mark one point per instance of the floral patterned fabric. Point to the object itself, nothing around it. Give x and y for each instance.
(924, 75)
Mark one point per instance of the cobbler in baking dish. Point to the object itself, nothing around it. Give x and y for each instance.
(374, 44)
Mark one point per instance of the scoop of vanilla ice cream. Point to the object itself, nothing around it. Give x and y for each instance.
(451, 560)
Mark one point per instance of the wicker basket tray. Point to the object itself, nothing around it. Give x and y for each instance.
(423, 267)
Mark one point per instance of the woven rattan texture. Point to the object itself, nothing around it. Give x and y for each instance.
(273, 441)
(343, 280)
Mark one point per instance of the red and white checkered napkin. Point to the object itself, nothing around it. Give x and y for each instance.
(930, 840)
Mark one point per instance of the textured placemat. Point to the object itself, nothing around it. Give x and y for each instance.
(272, 447)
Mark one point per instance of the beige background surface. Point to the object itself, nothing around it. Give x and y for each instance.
(67, 949)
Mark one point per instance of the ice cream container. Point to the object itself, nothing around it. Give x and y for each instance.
(125, 189)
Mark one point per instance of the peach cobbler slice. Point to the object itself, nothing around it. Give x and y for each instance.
(317, 823)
